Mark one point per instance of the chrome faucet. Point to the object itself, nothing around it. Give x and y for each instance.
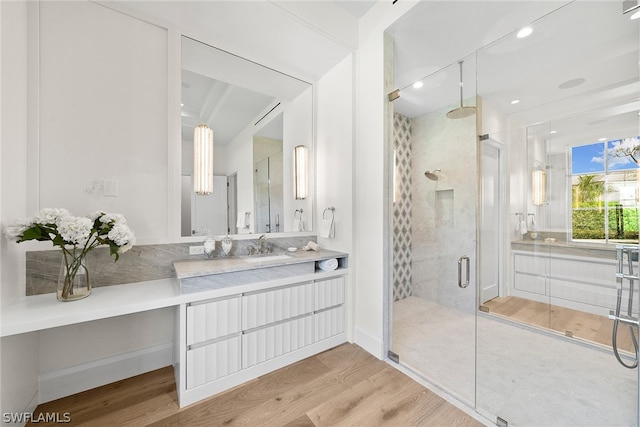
(263, 246)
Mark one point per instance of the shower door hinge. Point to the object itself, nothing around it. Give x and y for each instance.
(394, 95)
(392, 356)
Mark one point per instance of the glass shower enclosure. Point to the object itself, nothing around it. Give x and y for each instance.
(515, 223)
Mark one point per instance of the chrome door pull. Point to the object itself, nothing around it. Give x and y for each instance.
(464, 284)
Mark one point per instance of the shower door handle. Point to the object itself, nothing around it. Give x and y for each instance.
(464, 284)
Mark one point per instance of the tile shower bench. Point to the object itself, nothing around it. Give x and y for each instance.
(237, 318)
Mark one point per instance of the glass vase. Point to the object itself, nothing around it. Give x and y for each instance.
(73, 281)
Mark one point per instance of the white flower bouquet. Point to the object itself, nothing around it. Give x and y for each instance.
(76, 236)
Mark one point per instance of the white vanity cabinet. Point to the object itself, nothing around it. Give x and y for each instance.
(213, 340)
(578, 282)
(246, 331)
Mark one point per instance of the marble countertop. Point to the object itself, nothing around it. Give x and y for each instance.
(565, 248)
(204, 267)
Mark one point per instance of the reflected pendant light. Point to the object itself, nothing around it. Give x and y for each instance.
(538, 188)
(203, 160)
(300, 161)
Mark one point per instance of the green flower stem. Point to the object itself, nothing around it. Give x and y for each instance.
(73, 260)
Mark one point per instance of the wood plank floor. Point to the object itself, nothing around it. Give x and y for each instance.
(587, 326)
(344, 386)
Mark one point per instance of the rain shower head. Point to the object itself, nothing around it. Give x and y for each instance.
(432, 175)
(461, 112)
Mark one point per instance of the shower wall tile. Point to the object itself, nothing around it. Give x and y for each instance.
(443, 211)
(402, 266)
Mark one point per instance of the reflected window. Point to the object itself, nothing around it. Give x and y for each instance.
(604, 200)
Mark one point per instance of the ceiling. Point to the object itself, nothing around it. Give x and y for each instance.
(577, 71)
(590, 40)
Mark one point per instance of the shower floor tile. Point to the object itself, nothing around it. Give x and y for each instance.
(526, 377)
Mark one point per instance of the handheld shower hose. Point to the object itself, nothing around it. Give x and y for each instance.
(631, 256)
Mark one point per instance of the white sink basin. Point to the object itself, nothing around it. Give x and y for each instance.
(266, 258)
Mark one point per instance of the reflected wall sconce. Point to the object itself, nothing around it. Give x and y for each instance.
(538, 187)
(203, 160)
(300, 166)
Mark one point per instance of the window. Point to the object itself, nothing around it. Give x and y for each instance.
(604, 196)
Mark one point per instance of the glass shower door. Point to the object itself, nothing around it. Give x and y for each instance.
(545, 357)
(434, 210)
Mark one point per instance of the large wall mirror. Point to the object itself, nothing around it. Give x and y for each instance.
(257, 116)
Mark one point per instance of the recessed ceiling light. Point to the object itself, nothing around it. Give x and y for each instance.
(602, 139)
(635, 15)
(571, 83)
(553, 131)
(524, 32)
(417, 85)
(182, 104)
(515, 101)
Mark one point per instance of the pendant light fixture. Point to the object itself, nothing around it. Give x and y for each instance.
(203, 160)
(300, 161)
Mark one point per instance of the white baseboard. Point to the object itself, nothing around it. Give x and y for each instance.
(68, 381)
(370, 342)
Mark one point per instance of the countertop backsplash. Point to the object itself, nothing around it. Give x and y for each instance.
(140, 264)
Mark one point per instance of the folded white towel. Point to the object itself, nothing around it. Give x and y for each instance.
(523, 227)
(328, 264)
(243, 220)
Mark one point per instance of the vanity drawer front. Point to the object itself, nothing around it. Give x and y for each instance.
(273, 341)
(329, 293)
(263, 308)
(329, 323)
(213, 361)
(213, 319)
(529, 283)
(530, 264)
(588, 271)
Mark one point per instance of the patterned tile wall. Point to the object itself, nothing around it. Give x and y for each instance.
(402, 208)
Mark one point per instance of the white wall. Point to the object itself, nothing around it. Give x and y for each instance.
(18, 355)
(103, 93)
(371, 186)
(334, 154)
(106, 113)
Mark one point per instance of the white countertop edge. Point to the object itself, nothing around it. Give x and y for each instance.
(44, 311)
(37, 312)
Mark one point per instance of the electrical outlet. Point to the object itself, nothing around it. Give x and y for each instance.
(196, 250)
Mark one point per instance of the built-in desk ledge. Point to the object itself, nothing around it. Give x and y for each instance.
(565, 248)
(225, 272)
(44, 311)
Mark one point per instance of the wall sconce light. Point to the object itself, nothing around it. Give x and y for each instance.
(203, 160)
(300, 161)
(538, 187)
